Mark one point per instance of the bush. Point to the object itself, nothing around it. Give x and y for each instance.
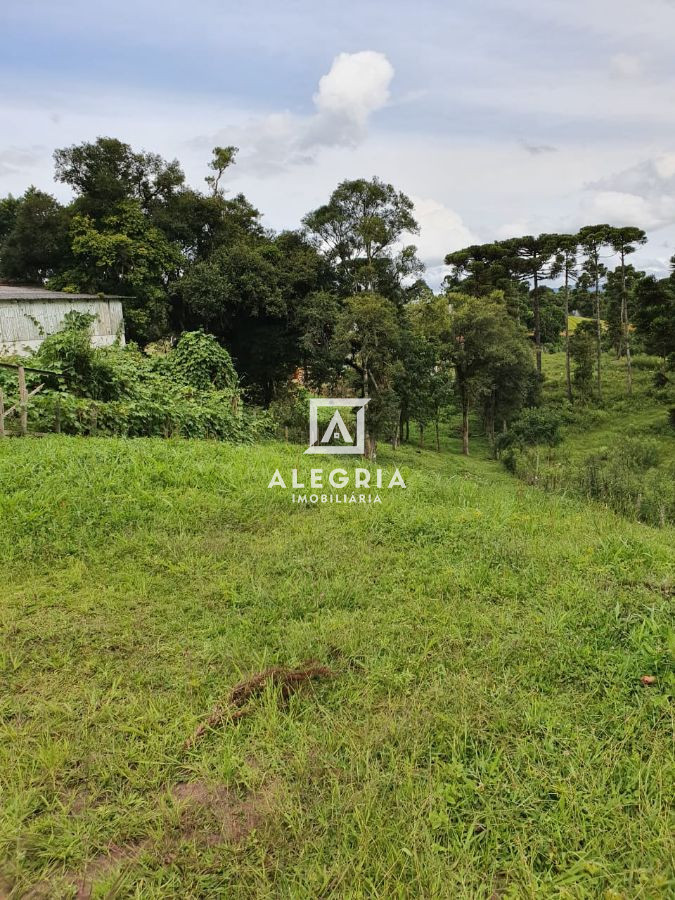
(660, 379)
(200, 361)
(192, 391)
(69, 351)
(533, 426)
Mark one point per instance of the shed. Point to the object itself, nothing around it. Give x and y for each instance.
(29, 314)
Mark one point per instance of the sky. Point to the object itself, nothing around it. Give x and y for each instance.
(497, 117)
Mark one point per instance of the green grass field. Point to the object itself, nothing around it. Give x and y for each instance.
(620, 452)
(485, 731)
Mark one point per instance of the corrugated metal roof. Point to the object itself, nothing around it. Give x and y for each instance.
(22, 292)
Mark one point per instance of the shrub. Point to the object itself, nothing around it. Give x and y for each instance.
(192, 391)
(533, 426)
(69, 351)
(200, 361)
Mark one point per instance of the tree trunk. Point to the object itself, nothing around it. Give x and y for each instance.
(465, 425)
(598, 341)
(568, 375)
(438, 439)
(537, 323)
(490, 422)
(625, 334)
(407, 430)
(421, 435)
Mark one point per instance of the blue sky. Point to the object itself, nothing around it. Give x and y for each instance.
(498, 118)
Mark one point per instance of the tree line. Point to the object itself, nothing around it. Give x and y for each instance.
(341, 299)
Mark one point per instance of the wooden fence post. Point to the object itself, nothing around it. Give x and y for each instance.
(23, 402)
(2, 414)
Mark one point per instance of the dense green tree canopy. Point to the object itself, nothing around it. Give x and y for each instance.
(33, 236)
(339, 304)
(360, 230)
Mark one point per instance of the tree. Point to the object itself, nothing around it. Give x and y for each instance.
(35, 240)
(624, 241)
(125, 255)
(199, 224)
(322, 357)
(223, 157)
(582, 347)
(592, 238)
(481, 269)
(484, 339)
(533, 260)
(425, 383)
(250, 294)
(200, 361)
(513, 383)
(9, 207)
(359, 230)
(655, 314)
(567, 252)
(551, 316)
(107, 172)
(622, 281)
(582, 301)
(369, 333)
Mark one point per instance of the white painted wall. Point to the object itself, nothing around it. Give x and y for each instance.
(24, 324)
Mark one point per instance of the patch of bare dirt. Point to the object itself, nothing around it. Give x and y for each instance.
(215, 813)
(115, 856)
(238, 703)
(79, 801)
(83, 882)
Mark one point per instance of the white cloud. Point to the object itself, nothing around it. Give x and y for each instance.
(665, 165)
(642, 195)
(441, 230)
(617, 208)
(355, 87)
(513, 229)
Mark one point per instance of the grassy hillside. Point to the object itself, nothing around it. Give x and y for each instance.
(484, 731)
(620, 452)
